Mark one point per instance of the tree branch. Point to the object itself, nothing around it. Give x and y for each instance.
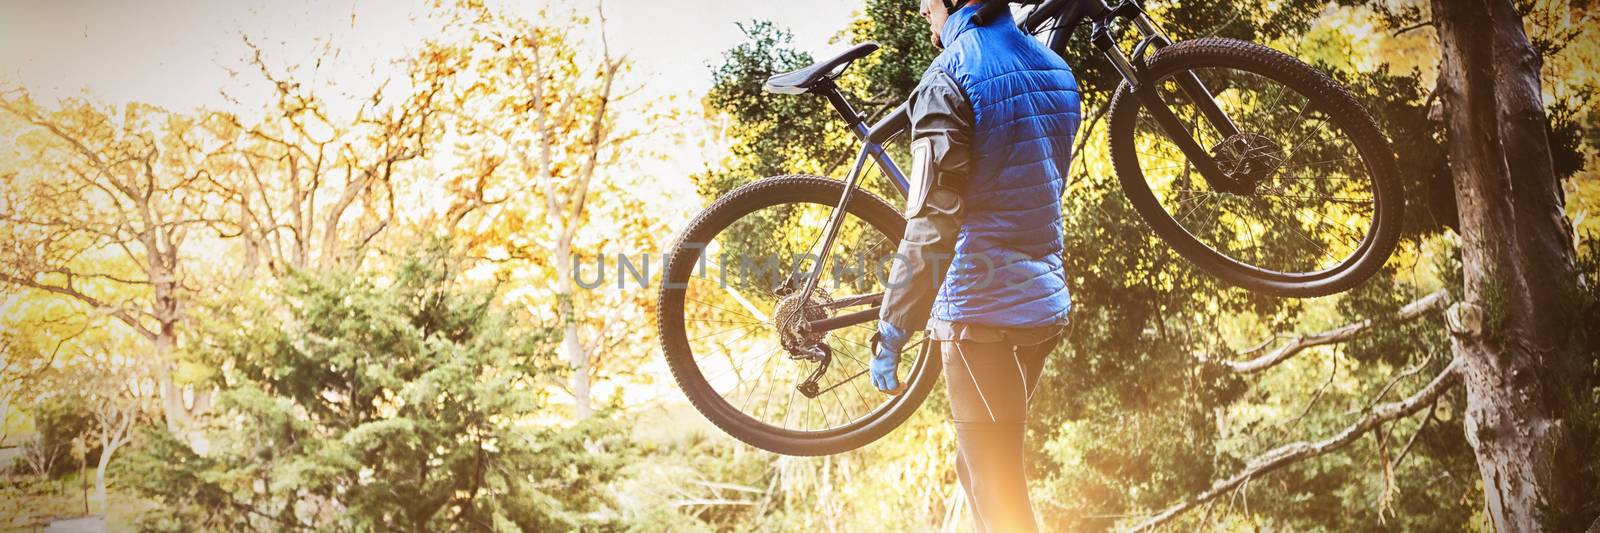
(1424, 24)
(1409, 312)
(120, 313)
(597, 132)
(1289, 454)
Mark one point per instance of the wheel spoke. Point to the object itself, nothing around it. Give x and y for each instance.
(736, 330)
(1301, 168)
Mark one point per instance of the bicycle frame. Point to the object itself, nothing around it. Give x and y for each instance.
(1069, 16)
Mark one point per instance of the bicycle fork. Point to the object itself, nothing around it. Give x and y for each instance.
(1138, 80)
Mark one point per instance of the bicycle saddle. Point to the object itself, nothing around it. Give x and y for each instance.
(800, 81)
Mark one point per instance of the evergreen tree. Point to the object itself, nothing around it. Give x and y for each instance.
(395, 402)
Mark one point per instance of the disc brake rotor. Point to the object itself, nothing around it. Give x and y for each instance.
(1248, 158)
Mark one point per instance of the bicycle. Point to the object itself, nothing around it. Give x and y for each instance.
(1207, 203)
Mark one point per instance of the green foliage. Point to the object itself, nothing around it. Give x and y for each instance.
(1578, 389)
(784, 134)
(59, 420)
(889, 75)
(1400, 104)
(773, 132)
(398, 402)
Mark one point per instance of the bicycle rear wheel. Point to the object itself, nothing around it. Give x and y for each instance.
(730, 308)
(1320, 208)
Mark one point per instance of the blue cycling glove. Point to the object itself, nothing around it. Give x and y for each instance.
(886, 357)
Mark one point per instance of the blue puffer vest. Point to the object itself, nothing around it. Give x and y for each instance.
(1025, 105)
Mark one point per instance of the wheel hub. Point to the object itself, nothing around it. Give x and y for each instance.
(791, 316)
(1248, 159)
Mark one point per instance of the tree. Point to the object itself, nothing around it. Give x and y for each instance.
(1527, 364)
(305, 189)
(111, 207)
(106, 214)
(26, 360)
(545, 184)
(400, 401)
(85, 385)
(1520, 327)
(114, 388)
(58, 420)
(771, 136)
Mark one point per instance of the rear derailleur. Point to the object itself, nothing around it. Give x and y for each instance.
(792, 316)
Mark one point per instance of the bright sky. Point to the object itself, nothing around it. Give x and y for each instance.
(178, 53)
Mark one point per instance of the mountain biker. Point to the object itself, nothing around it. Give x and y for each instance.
(992, 123)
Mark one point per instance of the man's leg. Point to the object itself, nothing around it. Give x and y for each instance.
(989, 386)
(964, 475)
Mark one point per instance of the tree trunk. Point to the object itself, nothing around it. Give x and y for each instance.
(172, 408)
(579, 359)
(5, 414)
(1514, 327)
(100, 474)
(572, 348)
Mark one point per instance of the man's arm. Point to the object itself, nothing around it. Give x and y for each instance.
(941, 152)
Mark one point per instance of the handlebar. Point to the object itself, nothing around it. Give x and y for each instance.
(991, 9)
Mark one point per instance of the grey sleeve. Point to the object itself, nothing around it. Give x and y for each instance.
(942, 122)
(941, 126)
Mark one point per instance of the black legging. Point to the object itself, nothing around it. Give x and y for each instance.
(990, 384)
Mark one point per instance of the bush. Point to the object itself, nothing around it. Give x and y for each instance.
(58, 420)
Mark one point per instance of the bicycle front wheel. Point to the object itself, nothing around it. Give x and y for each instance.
(732, 316)
(1318, 204)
